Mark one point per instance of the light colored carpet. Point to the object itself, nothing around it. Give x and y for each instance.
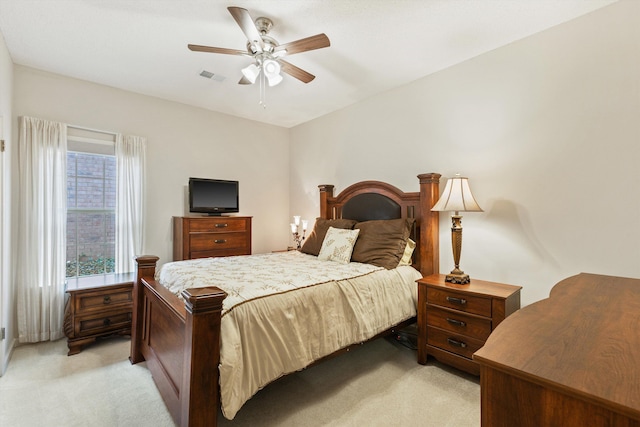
(378, 384)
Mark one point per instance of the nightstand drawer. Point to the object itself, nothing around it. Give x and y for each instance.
(458, 322)
(454, 343)
(104, 323)
(460, 301)
(100, 299)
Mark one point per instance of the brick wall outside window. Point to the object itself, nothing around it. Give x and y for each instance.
(91, 202)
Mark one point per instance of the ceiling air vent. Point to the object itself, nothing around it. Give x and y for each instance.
(209, 75)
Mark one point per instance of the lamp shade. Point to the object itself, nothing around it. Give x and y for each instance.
(271, 70)
(457, 197)
(274, 80)
(251, 72)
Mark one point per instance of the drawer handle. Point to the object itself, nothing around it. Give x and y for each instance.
(456, 343)
(220, 241)
(221, 225)
(456, 322)
(106, 322)
(106, 300)
(454, 300)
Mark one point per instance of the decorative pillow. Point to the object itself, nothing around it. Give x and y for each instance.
(338, 244)
(313, 243)
(382, 242)
(408, 251)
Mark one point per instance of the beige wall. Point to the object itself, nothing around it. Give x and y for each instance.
(182, 141)
(548, 131)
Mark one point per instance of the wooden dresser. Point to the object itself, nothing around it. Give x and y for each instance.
(455, 320)
(97, 306)
(210, 236)
(570, 360)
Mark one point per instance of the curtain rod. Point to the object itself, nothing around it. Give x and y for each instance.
(93, 130)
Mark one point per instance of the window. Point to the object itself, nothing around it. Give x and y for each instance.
(91, 211)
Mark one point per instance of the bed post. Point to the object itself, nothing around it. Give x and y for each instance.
(200, 397)
(146, 267)
(430, 224)
(326, 192)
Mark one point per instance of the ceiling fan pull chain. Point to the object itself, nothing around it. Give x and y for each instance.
(263, 92)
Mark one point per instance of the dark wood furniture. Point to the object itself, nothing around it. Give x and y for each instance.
(570, 360)
(97, 307)
(203, 237)
(180, 339)
(455, 320)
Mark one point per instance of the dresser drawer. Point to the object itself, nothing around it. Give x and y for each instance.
(217, 241)
(102, 323)
(460, 301)
(100, 299)
(454, 343)
(459, 322)
(217, 225)
(218, 253)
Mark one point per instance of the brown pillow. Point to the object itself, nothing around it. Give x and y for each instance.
(313, 243)
(382, 242)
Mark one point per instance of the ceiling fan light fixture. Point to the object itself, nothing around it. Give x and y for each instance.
(274, 80)
(271, 69)
(251, 72)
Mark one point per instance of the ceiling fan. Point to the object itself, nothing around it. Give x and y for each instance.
(266, 51)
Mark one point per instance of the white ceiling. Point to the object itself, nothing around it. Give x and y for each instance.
(376, 45)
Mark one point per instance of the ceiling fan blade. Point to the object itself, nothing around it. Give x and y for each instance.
(244, 81)
(309, 43)
(296, 72)
(247, 25)
(210, 49)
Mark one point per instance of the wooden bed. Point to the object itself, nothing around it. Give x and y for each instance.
(180, 340)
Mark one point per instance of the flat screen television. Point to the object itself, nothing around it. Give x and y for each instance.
(213, 196)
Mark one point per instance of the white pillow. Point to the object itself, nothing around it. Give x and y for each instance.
(408, 251)
(338, 244)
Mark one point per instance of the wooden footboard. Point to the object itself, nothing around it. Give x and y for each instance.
(165, 334)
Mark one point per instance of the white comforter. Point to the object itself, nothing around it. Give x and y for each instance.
(267, 330)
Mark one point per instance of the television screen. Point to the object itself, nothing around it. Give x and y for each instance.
(213, 196)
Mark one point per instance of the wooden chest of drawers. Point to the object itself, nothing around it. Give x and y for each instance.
(96, 309)
(454, 321)
(202, 237)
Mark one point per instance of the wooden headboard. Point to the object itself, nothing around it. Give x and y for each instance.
(368, 200)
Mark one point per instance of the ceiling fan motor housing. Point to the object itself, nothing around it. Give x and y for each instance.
(264, 25)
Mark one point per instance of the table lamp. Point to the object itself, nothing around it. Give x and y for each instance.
(457, 198)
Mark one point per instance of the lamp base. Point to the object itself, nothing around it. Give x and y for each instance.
(460, 279)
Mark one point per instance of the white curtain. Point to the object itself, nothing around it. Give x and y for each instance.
(130, 161)
(42, 217)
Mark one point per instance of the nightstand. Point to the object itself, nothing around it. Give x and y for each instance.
(454, 321)
(97, 306)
